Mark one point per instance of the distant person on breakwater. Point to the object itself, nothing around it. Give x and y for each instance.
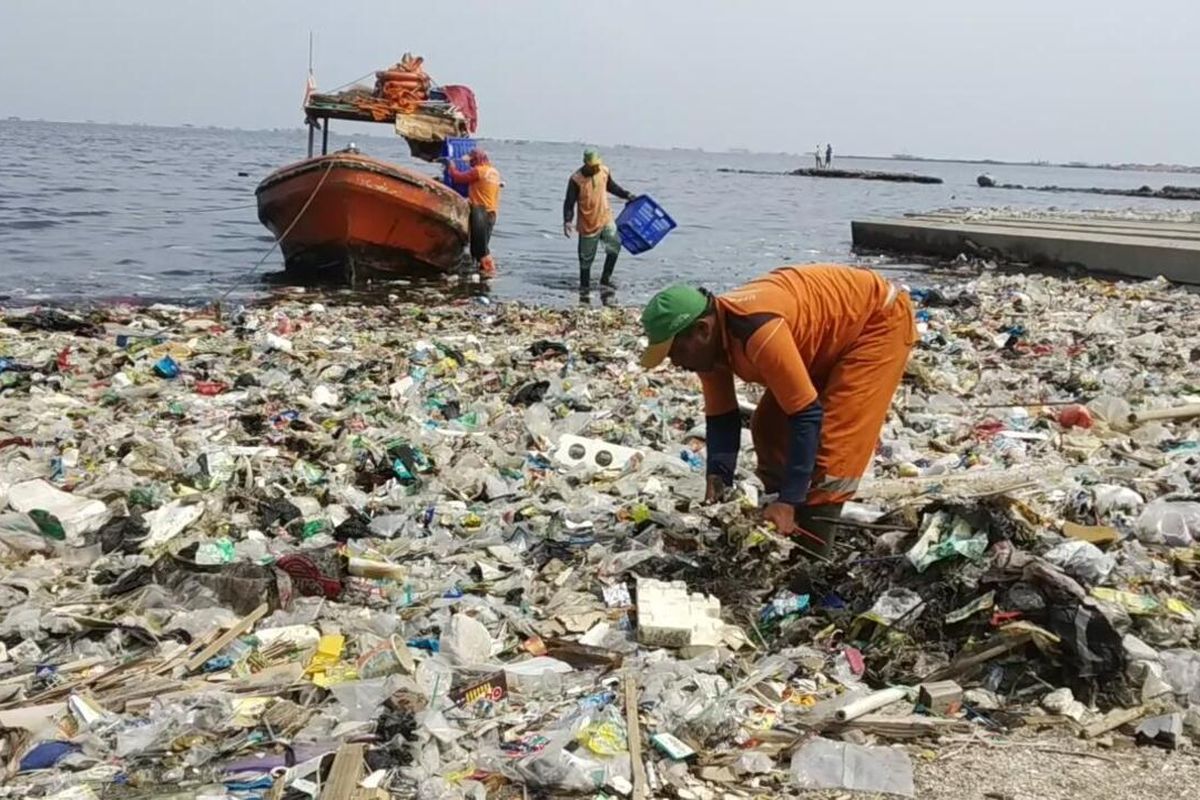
(817, 155)
(588, 191)
(828, 154)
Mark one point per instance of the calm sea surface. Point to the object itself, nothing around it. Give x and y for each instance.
(92, 213)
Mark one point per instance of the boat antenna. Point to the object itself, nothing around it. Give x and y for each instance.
(310, 52)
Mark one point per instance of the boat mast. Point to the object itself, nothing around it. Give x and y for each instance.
(308, 90)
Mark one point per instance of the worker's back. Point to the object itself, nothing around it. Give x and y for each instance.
(824, 306)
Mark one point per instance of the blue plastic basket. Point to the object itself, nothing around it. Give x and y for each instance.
(643, 224)
(457, 150)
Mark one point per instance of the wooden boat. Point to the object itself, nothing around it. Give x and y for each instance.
(367, 216)
(348, 212)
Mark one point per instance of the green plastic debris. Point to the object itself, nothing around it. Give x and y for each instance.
(48, 524)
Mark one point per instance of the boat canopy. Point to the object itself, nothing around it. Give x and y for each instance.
(425, 114)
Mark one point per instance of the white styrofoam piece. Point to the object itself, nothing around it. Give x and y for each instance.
(670, 616)
(576, 450)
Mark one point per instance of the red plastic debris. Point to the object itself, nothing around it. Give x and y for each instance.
(854, 658)
(1075, 416)
(211, 388)
(1004, 617)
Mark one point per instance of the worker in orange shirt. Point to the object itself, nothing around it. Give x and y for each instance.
(829, 343)
(588, 191)
(483, 195)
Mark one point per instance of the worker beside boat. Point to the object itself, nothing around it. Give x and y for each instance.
(483, 195)
(586, 206)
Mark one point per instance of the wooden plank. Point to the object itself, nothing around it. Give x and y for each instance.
(634, 732)
(345, 773)
(963, 665)
(241, 626)
(908, 726)
(1113, 720)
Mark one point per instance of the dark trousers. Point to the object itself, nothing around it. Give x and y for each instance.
(480, 226)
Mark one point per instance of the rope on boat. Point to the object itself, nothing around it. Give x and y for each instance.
(328, 166)
(242, 279)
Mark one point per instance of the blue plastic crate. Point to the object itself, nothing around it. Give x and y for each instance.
(457, 150)
(643, 224)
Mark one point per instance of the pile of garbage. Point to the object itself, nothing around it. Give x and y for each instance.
(323, 551)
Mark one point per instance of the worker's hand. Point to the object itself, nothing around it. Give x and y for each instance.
(782, 516)
(714, 490)
(631, 198)
(568, 229)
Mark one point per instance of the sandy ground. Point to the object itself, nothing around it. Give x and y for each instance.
(1047, 768)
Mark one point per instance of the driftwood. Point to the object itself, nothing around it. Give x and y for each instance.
(224, 640)
(908, 726)
(633, 728)
(1113, 720)
(964, 665)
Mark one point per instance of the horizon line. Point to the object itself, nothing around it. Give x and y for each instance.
(731, 150)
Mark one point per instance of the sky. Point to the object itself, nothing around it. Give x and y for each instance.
(1060, 80)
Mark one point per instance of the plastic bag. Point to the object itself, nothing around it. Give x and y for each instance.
(1181, 669)
(1082, 560)
(1110, 498)
(1174, 524)
(825, 764)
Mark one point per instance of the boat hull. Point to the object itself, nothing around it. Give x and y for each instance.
(363, 215)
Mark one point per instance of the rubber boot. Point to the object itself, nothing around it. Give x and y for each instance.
(610, 263)
(814, 542)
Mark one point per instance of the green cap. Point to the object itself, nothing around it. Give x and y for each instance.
(591, 156)
(668, 314)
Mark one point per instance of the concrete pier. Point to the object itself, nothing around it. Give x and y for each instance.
(1129, 248)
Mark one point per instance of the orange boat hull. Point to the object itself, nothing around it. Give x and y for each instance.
(364, 214)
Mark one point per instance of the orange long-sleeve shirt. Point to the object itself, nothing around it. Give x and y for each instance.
(483, 185)
(787, 329)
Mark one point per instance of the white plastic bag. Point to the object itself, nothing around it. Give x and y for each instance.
(825, 764)
(1175, 524)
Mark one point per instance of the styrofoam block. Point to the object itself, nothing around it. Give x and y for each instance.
(575, 451)
(670, 616)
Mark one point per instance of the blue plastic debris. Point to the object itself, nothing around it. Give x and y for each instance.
(46, 755)
(167, 367)
(784, 605)
(692, 459)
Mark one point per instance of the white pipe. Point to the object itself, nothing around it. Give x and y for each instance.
(872, 702)
(1179, 412)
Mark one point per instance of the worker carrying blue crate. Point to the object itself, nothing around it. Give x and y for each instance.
(482, 184)
(586, 210)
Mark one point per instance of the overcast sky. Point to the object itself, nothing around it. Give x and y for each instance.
(1095, 80)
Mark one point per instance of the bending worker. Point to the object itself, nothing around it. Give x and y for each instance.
(588, 189)
(483, 195)
(829, 343)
